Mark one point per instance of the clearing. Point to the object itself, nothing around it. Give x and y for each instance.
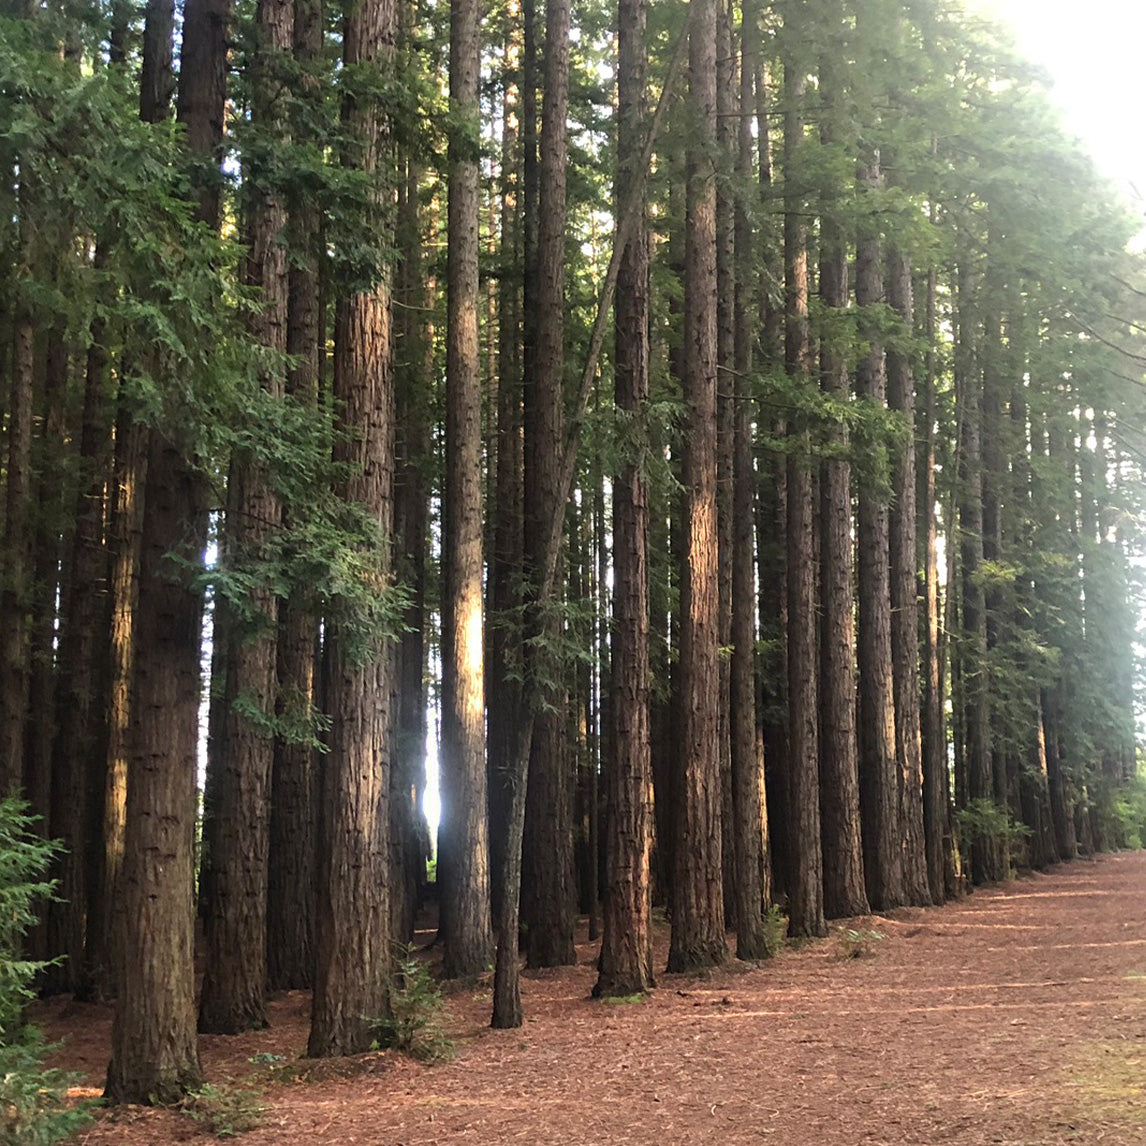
(1015, 1016)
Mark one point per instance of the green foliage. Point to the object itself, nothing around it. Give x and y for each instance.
(226, 1111)
(33, 1105)
(983, 821)
(775, 930)
(857, 942)
(1120, 810)
(416, 1008)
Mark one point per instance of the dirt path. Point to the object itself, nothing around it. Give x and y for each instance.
(1016, 1016)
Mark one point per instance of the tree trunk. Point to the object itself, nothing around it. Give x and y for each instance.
(904, 610)
(805, 861)
(626, 949)
(351, 993)
(936, 783)
(154, 1054)
(548, 866)
(234, 987)
(879, 782)
(465, 880)
(697, 939)
(746, 762)
(844, 893)
(292, 845)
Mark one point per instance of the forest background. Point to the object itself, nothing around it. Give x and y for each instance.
(728, 417)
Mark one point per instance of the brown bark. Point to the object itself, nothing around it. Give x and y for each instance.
(746, 761)
(154, 1056)
(234, 986)
(626, 950)
(936, 782)
(15, 586)
(353, 923)
(904, 608)
(507, 986)
(697, 939)
(726, 119)
(292, 843)
(844, 892)
(415, 289)
(548, 866)
(804, 858)
(464, 880)
(154, 1053)
(503, 632)
(973, 645)
(879, 773)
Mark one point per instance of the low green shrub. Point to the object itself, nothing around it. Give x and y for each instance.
(34, 1110)
(416, 1008)
(226, 1111)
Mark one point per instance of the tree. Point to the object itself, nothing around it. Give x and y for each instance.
(698, 902)
(626, 948)
(844, 892)
(805, 862)
(465, 878)
(154, 1054)
(234, 986)
(351, 990)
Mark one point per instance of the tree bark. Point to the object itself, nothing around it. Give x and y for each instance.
(746, 761)
(805, 860)
(844, 893)
(465, 880)
(879, 778)
(548, 866)
(293, 841)
(697, 938)
(234, 986)
(904, 609)
(626, 966)
(351, 993)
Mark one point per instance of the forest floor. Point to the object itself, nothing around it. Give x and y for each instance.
(1016, 1015)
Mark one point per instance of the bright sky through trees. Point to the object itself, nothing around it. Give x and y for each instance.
(1094, 53)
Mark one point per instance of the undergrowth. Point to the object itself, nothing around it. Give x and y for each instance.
(226, 1111)
(416, 1008)
(34, 1109)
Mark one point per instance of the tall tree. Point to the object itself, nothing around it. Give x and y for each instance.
(804, 857)
(844, 892)
(904, 610)
(879, 776)
(548, 871)
(293, 841)
(234, 986)
(697, 939)
(749, 836)
(626, 948)
(351, 992)
(463, 826)
(154, 1055)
